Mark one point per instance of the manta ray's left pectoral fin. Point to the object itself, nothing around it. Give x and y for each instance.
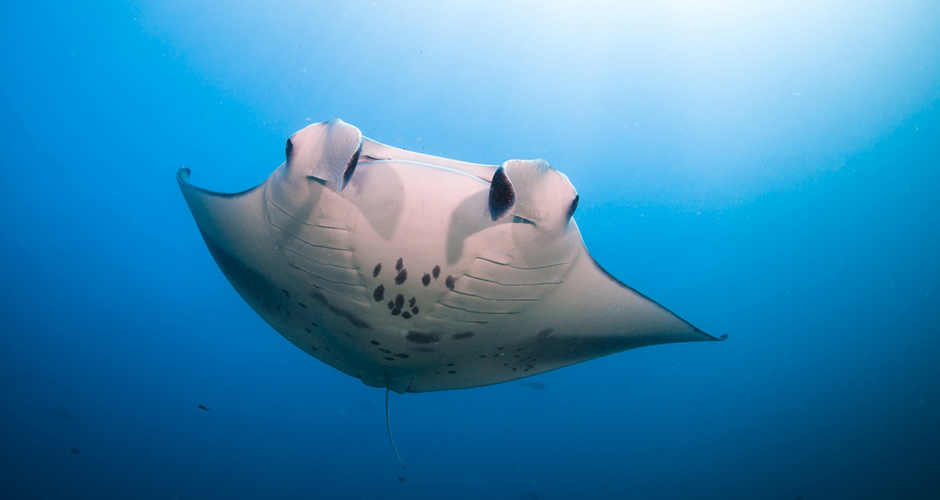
(327, 152)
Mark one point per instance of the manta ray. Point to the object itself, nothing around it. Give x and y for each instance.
(417, 273)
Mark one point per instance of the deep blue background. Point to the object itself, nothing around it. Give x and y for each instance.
(767, 171)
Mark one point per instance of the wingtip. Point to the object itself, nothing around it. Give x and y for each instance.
(713, 338)
(718, 339)
(182, 175)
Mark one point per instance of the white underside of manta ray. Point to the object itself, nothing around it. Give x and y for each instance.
(419, 273)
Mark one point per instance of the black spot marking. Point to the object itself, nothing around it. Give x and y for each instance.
(500, 348)
(327, 349)
(502, 195)
(314, 348)
(399, 301)
(423, 349)
(402, 276)
(391, 304)
(482, 356)
(377, 270)
(423, 337)
(406, 315)
(314, 324)
(542, 335)
(461, 336)
(401, 355)
(301, 304)
(450, 281)
(450, 364)
(375, 342)
(386, 351)
(399, 264)
(436, 271)
(308, 330)
(285, 292)
(389, 358)
(396, 311)
(412, 301)
(426, 279)
(451, 371)
(414, 310)
(288, 149)
(379, 293)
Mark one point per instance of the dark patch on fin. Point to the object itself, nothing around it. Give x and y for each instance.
(379, 293)
(426, 279)
(423, 338)
(502, 195)
(574, 205)
(402, 276)
(436, 271)
(450, 281)
(399, 264)
(461, 336)
(348, 316)
(377, 270)
(352, 163)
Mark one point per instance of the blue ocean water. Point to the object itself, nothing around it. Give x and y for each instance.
(767, 170)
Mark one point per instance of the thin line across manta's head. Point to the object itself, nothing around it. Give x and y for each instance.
(420, 273)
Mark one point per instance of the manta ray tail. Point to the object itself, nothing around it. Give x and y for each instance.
(388, 426)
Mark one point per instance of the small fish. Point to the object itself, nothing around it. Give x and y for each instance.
(538, 386)
(74, 451)
(203, 408)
